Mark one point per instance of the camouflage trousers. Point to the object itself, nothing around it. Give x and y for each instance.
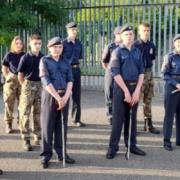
(147, 94)
(11, 93)
(30, 100)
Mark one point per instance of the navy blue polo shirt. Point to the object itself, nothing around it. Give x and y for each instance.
(127, 63)
(170, 67)
(11, 60)
(29, 65)
(72, 51)
(148, 51)
(107, 52)
(58, 73)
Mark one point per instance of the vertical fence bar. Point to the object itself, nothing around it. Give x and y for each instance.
(176, 17)
(170, 26)
(154, 31)
(165, 28)
(159, 41)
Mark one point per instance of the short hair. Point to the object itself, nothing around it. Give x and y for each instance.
(145, 24)
(13, 44)
(35, 37)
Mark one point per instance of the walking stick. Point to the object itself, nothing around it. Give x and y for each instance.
(63, 138)
(127, 155)
(63, 141)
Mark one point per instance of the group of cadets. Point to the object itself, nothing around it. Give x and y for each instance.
(128, 65)
(42, 85)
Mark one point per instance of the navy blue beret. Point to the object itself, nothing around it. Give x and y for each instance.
(177, 36)
(71, 25)
(54, 41)
(126, 27)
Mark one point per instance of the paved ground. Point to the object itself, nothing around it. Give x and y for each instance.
(88, 146)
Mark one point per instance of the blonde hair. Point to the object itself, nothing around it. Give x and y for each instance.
(13, 44)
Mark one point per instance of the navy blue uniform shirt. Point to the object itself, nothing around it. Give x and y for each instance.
(72, 51)
(11, 60)
(127, 63)
(148, 51)
(58, 73)
(29, 65)
(107, 52)
(171, 67)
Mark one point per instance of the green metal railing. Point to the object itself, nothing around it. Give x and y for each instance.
(97, 18)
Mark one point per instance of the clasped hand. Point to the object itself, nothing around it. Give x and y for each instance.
(132, 99)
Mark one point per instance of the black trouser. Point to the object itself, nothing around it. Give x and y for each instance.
(51, 125)
(108, 91)
(76, 94)
(121, 115)
(172, 108)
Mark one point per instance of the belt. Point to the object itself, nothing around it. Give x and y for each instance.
(75, 66)
(32, 81)
(148, 69)
(133, 83)
(176, 76)
(61, 91)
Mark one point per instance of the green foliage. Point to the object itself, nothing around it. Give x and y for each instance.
(20, 14)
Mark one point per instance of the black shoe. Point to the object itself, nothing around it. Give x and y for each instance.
(1, 171)
(68, 160)
(111, 153)
(153, 130)
(168, 147)
(45, 164)
(137, 151)
(110, 121)
(9, 129)
(79, 124)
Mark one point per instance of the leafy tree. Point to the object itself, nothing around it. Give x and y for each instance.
(19, 14)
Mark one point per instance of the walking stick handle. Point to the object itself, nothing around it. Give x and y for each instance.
(174, 91)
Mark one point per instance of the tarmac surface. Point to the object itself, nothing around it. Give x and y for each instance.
(88, 147)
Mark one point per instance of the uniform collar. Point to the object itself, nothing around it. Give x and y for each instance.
(175, 52)
(51, 58)
(69, 40)
(142, 42)
(124, 47)
(39, 55)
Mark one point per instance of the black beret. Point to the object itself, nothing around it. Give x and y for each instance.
(126, 28)
(54, 41)
(71, 25)
(117, 29)
(177, 36)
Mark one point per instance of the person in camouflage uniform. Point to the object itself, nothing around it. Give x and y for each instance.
(108, 80)
(147, 49)
(11, 88)
(30, 99)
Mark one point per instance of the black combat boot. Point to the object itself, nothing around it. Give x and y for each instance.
(151, 128)
(1, 171)
(9, 128)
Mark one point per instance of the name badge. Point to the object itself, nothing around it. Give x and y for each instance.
(151, 51)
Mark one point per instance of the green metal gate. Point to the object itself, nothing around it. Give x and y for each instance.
(97, 19)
